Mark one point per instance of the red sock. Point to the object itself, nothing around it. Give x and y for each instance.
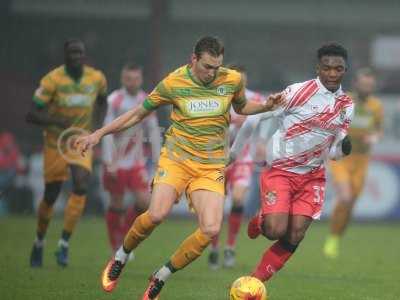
(273, 260)
(234, 221)
(113, 220)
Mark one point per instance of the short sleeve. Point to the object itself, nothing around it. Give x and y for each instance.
(45, 92)
(348, 117)
(289, 93)
(239, 96)
(161, 95)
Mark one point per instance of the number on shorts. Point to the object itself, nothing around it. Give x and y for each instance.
(318, 193)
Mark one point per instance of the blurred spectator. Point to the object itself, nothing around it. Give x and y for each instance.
(10, 164)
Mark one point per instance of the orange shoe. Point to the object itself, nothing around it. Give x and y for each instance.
(254, 226)
(153, 290)
(110, 275)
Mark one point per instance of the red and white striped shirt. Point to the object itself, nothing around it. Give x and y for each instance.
(125, 149)
(237, 121)
(308, 124)
(305, 131)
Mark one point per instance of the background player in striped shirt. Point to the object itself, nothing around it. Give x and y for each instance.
(349, 173)
(311, 127)
(193, 157)
(124, 158)
(238, 178)
(71, 100)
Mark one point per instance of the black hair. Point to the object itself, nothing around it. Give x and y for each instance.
(72, 41)
(332, 49)
(211, 45)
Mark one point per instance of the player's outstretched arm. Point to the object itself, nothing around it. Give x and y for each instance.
(251, 107)
(125, 121)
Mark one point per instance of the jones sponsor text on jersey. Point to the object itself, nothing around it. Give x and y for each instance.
(204, 107)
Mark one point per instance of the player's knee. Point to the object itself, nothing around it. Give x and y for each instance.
(237, 208)
(274, 231)
(80, 188)
(344, 193)
(238, 197)
(211, 230)
(157, 217)
(51, 192)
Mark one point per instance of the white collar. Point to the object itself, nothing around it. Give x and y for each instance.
(325, 91)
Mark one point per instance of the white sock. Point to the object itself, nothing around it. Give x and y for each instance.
(63, 243)
(39, 243)
(163, 273)
(121, 255)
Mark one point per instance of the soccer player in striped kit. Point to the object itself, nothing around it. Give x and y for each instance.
(311, 127)
(193, 157)
(124, 158)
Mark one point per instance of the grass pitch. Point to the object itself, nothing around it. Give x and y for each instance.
(368, 268)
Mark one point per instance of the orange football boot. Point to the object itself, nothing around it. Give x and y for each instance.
(110, 275)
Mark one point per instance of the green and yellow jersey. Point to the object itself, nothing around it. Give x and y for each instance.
(200, 115)
(67, 98)
(368, 119)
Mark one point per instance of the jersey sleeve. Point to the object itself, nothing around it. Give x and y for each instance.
(102, 85)
(289, 93)
(45, 92)
(294, 92)
(348, 117)
(239, 97)
(161, 95)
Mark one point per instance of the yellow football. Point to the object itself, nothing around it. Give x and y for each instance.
(248, 288)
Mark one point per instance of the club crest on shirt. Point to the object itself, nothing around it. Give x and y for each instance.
(270, 197)
(221, 90)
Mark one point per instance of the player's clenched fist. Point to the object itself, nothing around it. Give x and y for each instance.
(87, 142)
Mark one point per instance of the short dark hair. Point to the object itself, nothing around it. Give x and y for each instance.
(131, 66)
(72, 41)
(332, 49)
(237, 67)
(211, 45)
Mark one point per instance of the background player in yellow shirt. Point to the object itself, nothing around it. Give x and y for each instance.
(349, 173)
(193, 157)
(71, 100)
